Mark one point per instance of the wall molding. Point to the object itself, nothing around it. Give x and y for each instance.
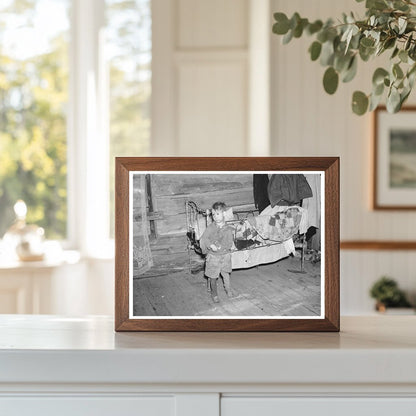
(377, 245)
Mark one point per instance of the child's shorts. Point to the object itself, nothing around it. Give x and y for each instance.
(216, 264)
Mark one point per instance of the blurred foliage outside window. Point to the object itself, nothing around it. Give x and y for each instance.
(129, 51)
(34, 67)
(33, 100)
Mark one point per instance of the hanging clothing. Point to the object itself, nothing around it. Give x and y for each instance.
(313, 204)
(261, 195)
(288, 189)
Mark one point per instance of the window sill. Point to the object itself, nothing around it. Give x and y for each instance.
(8, 262)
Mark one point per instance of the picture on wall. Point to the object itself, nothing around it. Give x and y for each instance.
(212, 250)
(402, 158)
(394, 159)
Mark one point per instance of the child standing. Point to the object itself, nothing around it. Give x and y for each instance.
(216, 242)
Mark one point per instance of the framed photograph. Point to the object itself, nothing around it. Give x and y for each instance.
(227, 244)
(394, 159)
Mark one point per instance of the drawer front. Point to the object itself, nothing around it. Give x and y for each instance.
(87, 406)
(273, 406)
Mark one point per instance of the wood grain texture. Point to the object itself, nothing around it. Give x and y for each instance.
(378, 245)
(332, 225)
(121, 244)
(330, 165)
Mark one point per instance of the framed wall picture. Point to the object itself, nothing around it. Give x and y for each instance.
(227, 244)
(394, 180)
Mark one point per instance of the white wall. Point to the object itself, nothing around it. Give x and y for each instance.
(202, 80)
(308, 122)
(203, 100)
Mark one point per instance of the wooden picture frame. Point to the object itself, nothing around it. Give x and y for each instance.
(134, 201)
(394, 158)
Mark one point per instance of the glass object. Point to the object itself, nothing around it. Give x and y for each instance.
(25, 241)
(34, 39)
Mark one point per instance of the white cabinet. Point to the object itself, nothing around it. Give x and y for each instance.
(26, 291)
(79, 366)
(270, 406)
(66, 286)
(87, 406)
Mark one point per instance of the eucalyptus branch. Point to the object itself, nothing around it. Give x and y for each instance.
(388, 26)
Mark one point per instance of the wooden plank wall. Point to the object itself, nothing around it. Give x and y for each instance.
(170, 192)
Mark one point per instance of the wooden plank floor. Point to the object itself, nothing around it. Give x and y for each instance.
(266, 290)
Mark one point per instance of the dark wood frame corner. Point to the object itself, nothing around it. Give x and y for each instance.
(330, 165)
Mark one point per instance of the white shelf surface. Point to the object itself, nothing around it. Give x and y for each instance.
(372, 350)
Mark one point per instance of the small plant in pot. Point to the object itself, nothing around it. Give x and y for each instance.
(387, 294)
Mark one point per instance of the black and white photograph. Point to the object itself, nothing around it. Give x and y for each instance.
(232, 244)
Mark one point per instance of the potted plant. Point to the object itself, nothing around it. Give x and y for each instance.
(387, 294)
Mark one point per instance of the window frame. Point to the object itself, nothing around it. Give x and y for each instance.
(88, 133)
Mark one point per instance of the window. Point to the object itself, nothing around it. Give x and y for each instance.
(75, 87)
(33, 98)
(129, 46)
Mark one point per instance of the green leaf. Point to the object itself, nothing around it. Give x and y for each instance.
(366, 53)
(404, 95)
(402, 24)
(355, 41)
(288, 37)
(412, 70)
(322, 36)
(408, 42)
(332, 33)
(411, 76)
(351, 71)
(348, 35)
(397, 71)
(389, 43)
(403, 56)
(314, 27)
(327, 53)
(376, 4)
(379, 75)
(341, 61)
(359, 103)
(395, 53)
(412, 52)
(315, 50)
(298, 30)
(378, 89)
(281, 27)
(337, 42)
(374, 102)
(330, 80)
(393, 101)
(294, 20)
(367, 42)
(400, 5)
